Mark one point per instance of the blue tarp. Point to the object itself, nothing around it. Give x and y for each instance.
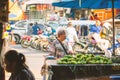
(90, 4)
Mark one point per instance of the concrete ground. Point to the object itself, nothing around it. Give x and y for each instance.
(34, 59)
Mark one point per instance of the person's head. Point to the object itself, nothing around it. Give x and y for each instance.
(77, 18)
(69, 24)
(61, 34)
(92, 13)
(13, 60)
(31, 24)
(35, 23)
(96, 15)
(70, 18)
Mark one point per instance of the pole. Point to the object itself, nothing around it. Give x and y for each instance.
(80, 3)
(113, 27)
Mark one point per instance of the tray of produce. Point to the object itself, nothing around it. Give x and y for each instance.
(85, 65)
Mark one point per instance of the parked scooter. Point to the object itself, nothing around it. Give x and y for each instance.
(25, 41)
(88, 46)
(31, 41)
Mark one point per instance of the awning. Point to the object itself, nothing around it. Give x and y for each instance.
(90, 4)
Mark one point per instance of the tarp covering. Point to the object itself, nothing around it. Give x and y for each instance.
(90, 4)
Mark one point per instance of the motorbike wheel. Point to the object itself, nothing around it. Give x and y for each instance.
(44, 47)
(47, 47)
(37, 45)
(32, 44)
(77, 47)
(24, 43)
(17, 38)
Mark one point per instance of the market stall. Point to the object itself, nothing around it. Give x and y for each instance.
(63, 72)
(77, 67)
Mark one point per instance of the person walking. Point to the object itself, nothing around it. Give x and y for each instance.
(15, 64)
(71, 36)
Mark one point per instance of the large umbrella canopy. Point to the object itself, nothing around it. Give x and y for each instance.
(90, 4)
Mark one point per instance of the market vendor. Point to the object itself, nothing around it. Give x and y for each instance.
(58, 47)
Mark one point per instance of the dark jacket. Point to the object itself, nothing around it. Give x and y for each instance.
(2, 73)
(23, 74)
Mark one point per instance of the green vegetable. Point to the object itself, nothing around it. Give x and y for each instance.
(84, 59)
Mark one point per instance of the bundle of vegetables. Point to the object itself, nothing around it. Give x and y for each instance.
(84, 59)
(116, 59)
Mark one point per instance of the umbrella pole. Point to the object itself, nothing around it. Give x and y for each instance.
(113, 27)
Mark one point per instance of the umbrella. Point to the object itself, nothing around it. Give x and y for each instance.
(92, 4)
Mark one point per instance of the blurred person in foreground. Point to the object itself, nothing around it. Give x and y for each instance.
(15, 64)
(59, 48)
(2, 72)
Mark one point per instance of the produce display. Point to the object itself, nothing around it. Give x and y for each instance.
(84, 59)
(116, 59)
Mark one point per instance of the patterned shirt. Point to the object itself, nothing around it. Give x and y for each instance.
(57, 50)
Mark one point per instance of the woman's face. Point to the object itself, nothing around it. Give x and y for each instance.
(9, 66)
(63, 37)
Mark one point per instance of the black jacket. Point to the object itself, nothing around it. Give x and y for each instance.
(23, 74)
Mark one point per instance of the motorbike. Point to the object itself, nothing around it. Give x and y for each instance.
(45, 43)
(31, 41)
(87, 46)
(25, 41)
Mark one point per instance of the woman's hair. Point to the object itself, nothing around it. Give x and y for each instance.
(14, 56)
(60, 31)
